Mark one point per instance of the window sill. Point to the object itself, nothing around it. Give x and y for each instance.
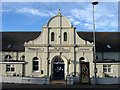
(11, 72)
(35, 71)
(108, 72)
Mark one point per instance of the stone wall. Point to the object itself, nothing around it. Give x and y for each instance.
(26, 80)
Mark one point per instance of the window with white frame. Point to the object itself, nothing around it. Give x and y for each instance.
(10, 68)
(106, 68)
(35, 64)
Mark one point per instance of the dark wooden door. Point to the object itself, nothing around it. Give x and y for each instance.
(58, 71)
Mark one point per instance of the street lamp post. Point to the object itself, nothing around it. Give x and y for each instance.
(95, 69)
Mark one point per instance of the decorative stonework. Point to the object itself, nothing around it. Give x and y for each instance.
(36, 49)
(83, 49)
(59, 49)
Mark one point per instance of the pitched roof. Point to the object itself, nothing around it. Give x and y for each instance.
(103, 39)
(17, 39)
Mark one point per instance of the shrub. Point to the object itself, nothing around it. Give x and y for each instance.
(106, 75)
(14, 74)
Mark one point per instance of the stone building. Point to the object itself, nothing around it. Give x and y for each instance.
(58, 51)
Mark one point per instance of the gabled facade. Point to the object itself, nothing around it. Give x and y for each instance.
(58, 50)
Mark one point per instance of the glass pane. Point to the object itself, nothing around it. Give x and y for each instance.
(65, 36)
(52, 36)
(104, 65)
(35, 68)
(104, 70)
(8, 66)
(12, 65)
(35, 58)
(109, 69)
(35, 62)
(12, 69)
(8, 69)
(109, 65)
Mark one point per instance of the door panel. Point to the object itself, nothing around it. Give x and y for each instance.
(58, 71)
(85, 76)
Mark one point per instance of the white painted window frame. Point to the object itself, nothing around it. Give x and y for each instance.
(11, 66)
(107, 68)
(37, 65)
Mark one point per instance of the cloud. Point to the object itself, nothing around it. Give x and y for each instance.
(58, 0)
(79, 14)
(105, 19)
(71, 19)
(111, 15)
(36, 12)
(6, 10)
(88, 25)
(76, 23)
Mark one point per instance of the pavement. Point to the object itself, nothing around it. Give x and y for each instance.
(7, 86)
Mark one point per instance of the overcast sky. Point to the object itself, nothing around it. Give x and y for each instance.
(26, 16)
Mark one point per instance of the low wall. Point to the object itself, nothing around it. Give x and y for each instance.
(76, 80)
(36, 80)
(46, 80)
(100, 80)
(12, 79)
(106, 81)
(70, 80)
(26, 80)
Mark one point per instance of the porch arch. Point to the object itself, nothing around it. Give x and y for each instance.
(65, 60)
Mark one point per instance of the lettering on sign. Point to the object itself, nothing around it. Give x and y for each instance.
(36, 49)
(59, 49)
(82, 49)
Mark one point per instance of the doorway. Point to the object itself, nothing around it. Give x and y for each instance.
(85, 75)
(58, 69)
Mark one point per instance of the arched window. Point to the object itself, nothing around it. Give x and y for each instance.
(58, 60)
(8, 57)
(65, 36)
(35, 64)
(52, 36)
(22, 57)
(82, 58)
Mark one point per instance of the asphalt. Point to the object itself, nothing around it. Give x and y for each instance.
(7, 86)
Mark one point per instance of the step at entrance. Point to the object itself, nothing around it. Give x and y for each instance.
(58, 82)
